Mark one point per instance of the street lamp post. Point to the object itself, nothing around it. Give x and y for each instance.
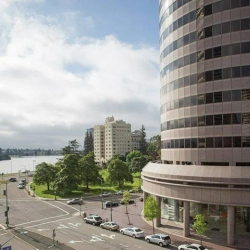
(80, 204)
(101, 188)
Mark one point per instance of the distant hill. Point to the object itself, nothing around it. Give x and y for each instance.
(4, 157)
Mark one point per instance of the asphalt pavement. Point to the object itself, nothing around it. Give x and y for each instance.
(34, 220)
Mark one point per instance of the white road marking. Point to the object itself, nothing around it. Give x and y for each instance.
(3, 234)
(62, 226)
(96, 238)
(63, 232)
(123, 245)
(48, 222)
(48, 218)
(67, 205)
(109, 236)
(40, 230)
(86, 241)
(75, 241)
(75, 225)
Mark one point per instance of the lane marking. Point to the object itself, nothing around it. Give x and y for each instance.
(63, 232)
(48, 218)
(67, 205)
(87, 241)
(40, 230)
(40, 220)
(48, 222)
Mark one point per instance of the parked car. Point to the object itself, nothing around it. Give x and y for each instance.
(12, 179)
(25, 171)
(159, 239)
(120, 192)
(106, 194)
(24, 181)
(131, 191)
(93, 219)
(129, 202)
(192, 247)
(21, 186)
(141, 198)
(75, 201)
(109, 204)
(112, 226)
(133, 232)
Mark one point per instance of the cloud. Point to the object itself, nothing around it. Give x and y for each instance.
(54, 85)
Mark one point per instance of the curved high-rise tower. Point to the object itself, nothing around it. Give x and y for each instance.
(205, 114)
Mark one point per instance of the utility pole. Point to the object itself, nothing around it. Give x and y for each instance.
(6, 213)
(111, 209)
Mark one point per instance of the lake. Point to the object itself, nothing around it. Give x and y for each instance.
(26, 163)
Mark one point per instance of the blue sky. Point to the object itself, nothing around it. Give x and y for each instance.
(68, 64)
(131, 21)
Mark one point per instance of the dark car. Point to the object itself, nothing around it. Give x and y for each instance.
(109, 204)
(93, 219)
(141, 198)
(13, 180)
(129, 202)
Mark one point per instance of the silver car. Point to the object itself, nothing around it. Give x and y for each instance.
(159, 239)
(112, 226)
(192, 247)
(133, 231)
(75, 201)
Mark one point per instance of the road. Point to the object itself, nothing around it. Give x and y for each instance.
(33, 221)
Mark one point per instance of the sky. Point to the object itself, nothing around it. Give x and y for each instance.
(65, 65)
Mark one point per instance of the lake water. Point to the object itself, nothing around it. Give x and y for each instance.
(26, 163)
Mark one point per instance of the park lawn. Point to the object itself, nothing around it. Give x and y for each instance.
(41, 190)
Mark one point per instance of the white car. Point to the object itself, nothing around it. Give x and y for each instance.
(105, 194)
(192, 247)
(133, 232)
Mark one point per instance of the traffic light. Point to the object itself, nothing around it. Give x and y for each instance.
(6, 213)
(4, 192)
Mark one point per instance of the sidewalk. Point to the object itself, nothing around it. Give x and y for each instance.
(119, 216)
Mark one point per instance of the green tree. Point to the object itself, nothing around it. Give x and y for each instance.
(45, 174)
(89, 169)
(71, 148)
(126, 198)
(118, 172)
(69, 176)
(154, 147)
(131, 155)
(88, 143)
(151, 210)
(200, 225)
(138, 163)
(143, 142)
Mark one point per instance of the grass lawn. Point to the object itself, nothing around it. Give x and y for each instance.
(41, 190)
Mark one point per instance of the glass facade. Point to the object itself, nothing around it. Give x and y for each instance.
(215, 215)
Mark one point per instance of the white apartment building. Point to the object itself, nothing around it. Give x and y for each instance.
(116, 139)
(135, 138)
(99, 143)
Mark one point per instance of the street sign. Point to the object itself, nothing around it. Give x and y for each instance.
(6, 248)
